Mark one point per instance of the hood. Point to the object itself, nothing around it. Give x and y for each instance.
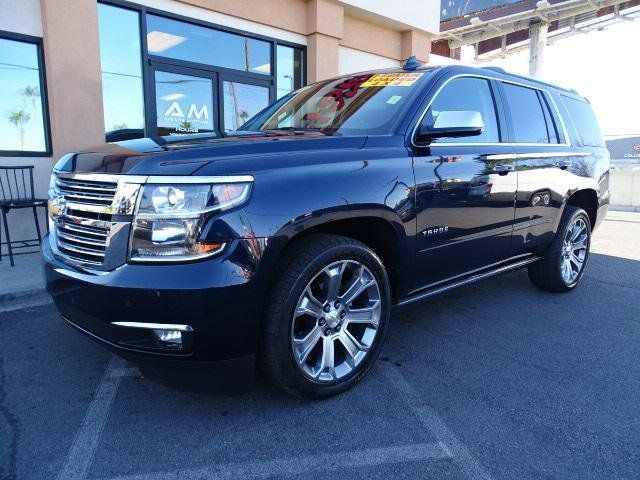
(184, 156)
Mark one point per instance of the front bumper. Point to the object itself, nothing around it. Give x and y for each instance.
(219, 298)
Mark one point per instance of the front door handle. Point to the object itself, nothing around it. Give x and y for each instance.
(563, 164)
(503, 169)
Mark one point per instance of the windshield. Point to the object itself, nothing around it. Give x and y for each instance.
(358, 104)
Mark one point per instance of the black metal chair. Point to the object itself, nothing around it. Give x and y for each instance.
(17, 192)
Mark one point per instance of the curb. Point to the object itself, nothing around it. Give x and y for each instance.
(624, 208)
(23, 299)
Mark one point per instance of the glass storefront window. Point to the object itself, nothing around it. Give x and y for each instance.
(193, 43)
(121, 61)
(241, 102)
(22, 113)
(289, 61)
(184, 104)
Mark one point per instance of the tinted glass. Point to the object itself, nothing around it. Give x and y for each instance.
(184, 104)
(528, 118)
(241, 102)
(585, 122)
(466, 94)
(193, 43)
(120, 58)
(289, 70)
(356, 104)
(22, 126)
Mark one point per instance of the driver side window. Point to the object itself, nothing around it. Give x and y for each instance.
(466, 94)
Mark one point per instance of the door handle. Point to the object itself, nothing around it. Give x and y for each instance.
(563, 164)
(503, 169)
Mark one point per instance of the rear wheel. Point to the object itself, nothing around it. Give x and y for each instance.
(327, 317)
(565, 261)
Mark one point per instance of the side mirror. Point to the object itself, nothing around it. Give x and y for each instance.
(452, 124)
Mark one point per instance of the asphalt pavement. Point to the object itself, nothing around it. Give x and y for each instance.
(495, 380)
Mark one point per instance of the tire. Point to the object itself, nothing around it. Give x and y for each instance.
(550, 273)
(302, 310)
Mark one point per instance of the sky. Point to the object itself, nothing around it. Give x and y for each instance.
(603, 66)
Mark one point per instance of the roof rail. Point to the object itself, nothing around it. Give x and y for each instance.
(497, 69)
(535, 80)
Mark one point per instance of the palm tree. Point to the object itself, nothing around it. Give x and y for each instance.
(243, 115)
(19, 118)
(32, 93)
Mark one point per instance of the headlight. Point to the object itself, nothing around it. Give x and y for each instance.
(170, 218)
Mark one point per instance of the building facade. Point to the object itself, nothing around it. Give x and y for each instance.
(75, 73)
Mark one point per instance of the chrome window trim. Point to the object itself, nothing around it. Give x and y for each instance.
(480, 144)
(515, 156)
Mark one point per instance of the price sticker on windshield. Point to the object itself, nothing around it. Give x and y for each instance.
(392, 80)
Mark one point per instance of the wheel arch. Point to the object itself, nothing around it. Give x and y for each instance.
(380, 229)
(587, 199)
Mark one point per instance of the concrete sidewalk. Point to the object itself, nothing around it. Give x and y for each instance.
(23, 285)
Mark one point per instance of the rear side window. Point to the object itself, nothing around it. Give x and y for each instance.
(466, 94)
(531, 119)
(585, 121)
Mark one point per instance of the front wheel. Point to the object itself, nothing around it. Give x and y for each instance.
(564, 263)
(327, 317)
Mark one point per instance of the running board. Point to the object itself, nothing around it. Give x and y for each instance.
(416, 297)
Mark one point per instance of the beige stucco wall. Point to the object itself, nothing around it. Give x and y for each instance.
(21, 16)
(372, 38)
(285, 14)
(72, 58)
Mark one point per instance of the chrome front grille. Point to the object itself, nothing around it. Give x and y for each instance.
(86, 192)
(92, 216)
(86, 244)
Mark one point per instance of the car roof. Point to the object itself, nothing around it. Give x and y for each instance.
(492, 72)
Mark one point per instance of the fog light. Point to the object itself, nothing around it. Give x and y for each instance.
(171, 338)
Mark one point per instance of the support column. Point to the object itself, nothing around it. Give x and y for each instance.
(325, 20)
(538, 42)
(72, 60)
(416, 43)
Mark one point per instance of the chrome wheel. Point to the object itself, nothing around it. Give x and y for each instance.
(574, 251)
(336, 321)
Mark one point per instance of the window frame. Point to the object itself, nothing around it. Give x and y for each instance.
(495, 100)
(504, 116)
(223, 73)
(44, 97)
(545, 101)
(578, 136)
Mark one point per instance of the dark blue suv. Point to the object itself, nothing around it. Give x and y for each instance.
(287, 243)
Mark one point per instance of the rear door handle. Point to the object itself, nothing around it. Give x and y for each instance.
(563, 164)
(503, 169)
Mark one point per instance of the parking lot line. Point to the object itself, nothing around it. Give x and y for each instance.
(80, 456)
(298, 465)
(471, 467)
